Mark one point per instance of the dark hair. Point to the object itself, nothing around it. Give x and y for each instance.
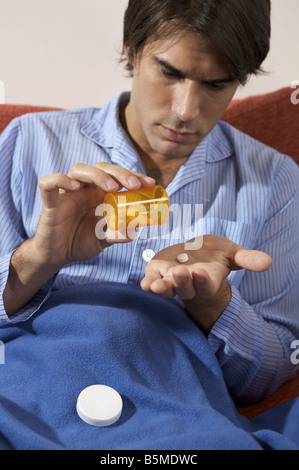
(239, 29)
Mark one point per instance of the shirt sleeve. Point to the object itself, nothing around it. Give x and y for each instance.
(13, 233)
(252, 338)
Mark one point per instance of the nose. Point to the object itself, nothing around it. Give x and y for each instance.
(186, 101)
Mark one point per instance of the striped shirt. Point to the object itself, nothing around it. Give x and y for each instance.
(231, 185)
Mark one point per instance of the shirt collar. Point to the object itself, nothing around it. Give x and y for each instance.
(218, 143)
(106, 130)
(104, 126)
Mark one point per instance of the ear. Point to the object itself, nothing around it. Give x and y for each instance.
(130, 58)
(126, 50)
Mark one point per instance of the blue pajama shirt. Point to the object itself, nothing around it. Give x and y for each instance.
(247, 192)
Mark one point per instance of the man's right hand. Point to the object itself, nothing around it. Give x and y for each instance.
(66, 228)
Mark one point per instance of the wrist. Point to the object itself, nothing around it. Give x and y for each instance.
(40, 256)
(30, 263)
(27, 274)
(206, 311)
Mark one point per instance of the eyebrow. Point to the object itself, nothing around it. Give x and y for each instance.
(173, 70)
(167, 66)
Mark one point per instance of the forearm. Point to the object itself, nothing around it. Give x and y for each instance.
(27, 274)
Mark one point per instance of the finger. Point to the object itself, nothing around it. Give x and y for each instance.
(253, 260)
(205, 286)
(163, 287)
(183, 283)
(154, 271)
(51, 185)
(159, 282)
(130, 180)
(109, 177)
(151, 275)
(92, 175)
(157, 278)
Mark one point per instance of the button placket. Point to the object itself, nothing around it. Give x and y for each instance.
(142, 253)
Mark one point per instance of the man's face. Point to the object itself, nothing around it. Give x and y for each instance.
(179, 92)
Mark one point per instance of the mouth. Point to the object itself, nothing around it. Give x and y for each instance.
(177, 136)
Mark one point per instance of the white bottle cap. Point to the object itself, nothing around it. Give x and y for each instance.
(99, 405)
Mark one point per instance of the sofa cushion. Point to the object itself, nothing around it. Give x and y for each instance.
(271, 118)
(10, 111)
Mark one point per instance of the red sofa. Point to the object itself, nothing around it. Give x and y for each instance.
(271, 118)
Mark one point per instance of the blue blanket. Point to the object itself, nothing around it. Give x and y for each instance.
(145, 347)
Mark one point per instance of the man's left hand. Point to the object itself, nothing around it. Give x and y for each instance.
(201, 281)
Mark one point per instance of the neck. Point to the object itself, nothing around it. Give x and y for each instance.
(162, 169)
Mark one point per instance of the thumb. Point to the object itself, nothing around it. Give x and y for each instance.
(253, 260)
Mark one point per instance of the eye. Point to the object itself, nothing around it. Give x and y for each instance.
(214, 86)
(171, 74)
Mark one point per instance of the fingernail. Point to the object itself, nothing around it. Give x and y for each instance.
(148, 179)
(198, 279)
(132, 181)
(111, 185)
(181, 278)
(74, 184)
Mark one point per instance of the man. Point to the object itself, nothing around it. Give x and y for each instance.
(187, 58)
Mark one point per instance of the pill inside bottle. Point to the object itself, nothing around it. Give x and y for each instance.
(143, 207)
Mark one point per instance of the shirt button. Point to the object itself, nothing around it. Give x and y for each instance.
(148, 254)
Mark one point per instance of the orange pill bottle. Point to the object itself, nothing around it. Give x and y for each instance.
(143, 207)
